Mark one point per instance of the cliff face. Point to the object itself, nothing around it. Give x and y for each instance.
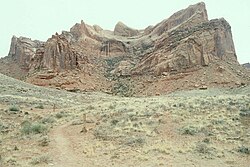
(23, 50)
(191, 16)
(186, 41)
(185, 48)
(60, 55)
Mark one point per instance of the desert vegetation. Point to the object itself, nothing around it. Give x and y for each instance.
(207, 126)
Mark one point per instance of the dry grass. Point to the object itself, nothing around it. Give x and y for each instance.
(42, 159)
(203, 128)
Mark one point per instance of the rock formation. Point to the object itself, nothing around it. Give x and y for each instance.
(23, 50)
(191, 16)
(191, 46)
(122, 30)
(60, 55)
(186, 47)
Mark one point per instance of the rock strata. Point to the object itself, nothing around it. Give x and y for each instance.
(185, 51)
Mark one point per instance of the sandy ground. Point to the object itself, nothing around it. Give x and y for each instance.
(189, 128)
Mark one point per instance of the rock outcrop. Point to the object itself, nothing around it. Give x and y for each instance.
(186, 47)
(191, 16)
(56, 54)
(60, 55)
(23, 50)
(122, 30)
(80, 30)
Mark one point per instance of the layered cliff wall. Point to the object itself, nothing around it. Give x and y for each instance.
(184, 48)
(89, 55)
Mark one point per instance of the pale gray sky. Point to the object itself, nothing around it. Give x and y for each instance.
(39, 19)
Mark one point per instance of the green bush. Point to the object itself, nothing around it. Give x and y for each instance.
(14, 108)
(32, 128)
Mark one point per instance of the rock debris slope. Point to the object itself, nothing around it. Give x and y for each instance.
(185, 51)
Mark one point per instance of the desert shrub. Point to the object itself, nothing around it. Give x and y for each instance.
(163, 107)
(40, 106)
(135, 141)
(41, 159)
(205, 150)
(111, 106)
(102, 133)
(244, 150)
(60, 115)
(44, 141)
(14, 108)
(218, 121)
(11, 161)
(48, 119)
(174, 105)
(245, 113)
(189, 130)
(125, 110)
(182, 105)
(123, 88)
(90, 107)
(114, 122)
(32, 128)
(202, 148)
(106, 132)
(206, 140)
(2, 126)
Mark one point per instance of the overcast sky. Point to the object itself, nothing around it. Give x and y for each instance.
(39, 19)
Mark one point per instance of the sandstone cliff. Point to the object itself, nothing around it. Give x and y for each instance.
(59, 54)
(23, 50)
(186, 49)
(190, 16)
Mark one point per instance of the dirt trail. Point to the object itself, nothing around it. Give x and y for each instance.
(63, 152)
